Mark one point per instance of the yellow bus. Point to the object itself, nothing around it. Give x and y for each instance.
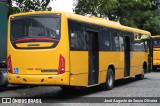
(156, 51)
(149, 50)
(150, 53)
(69, 50)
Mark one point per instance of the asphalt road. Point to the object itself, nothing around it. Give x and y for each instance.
(149, 87)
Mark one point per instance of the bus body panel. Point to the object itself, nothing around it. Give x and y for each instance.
(40, 62)
(156, 51)
(138, 58)
(79, 80)
(61, 79)
(36, 62)
(108, 58)
(34, 65)
(79, 68)
(156, 58)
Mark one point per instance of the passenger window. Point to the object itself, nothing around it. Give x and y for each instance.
(138, 43)
(115, 40)
(77, 36)
(121, 41)
(104, 40)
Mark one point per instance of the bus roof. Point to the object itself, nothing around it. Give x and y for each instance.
(156, 36)
(107, 23)
(92, 20)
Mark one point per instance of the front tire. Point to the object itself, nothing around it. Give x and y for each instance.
(109, 80)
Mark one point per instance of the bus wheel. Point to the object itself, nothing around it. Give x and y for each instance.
(109, 80)
(141, 76)
(3, 79)
(67, 88)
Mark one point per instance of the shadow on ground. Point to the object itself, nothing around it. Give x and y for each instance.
(14, 87)
(64, 96)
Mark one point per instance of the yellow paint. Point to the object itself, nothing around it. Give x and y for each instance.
(156, 58)
(102, 76)
(156, 53)
(40, 58)
(31, 62)
(79, 80)
(37, 79)
(137, 61)
(40, 44)
(112, 58)
(79, 68)
(78, 62)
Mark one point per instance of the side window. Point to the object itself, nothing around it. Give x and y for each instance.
(121, 40)
(115, 40)
(77, 36)
(138, 43)
(156, 42)
(131, 39)
(104, 40)
(146, 45)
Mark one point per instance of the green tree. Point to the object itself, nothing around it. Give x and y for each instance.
(29, 5)
(96, 7)
(143, 14)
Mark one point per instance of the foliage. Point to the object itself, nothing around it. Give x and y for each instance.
(29, 5)
(143, 14)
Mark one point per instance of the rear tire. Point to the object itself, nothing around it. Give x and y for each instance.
(109, 80)
(141, 76)
(3, 79)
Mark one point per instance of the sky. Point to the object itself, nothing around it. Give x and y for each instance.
(62, 5)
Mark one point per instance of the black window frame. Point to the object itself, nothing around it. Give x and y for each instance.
(70, 27)
(102, 46)
(56, 41)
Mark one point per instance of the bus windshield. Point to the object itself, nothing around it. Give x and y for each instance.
(44, 26)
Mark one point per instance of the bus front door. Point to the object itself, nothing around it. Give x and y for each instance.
(126, 56)
(93, 58)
